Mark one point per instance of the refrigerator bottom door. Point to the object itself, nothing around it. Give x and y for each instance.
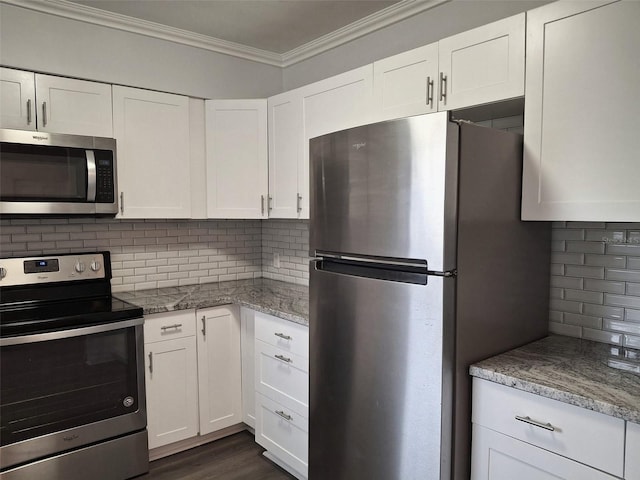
(376, 378)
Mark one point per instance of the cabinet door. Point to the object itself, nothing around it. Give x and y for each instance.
(482, 65)
(152, 134)
(172, 390)
(582, 104)
(236, 158)
(499, 457)
(247, 335)
(337, 103)
(76, 107)
(219, 368)
(404, 84)
(632, 455)
(17, 99)
(285, 154)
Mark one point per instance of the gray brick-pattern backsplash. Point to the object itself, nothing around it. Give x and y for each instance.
(146, 254)
(289, 240)
(595, 281)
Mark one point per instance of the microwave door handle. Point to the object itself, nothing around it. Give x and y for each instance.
(91, 176)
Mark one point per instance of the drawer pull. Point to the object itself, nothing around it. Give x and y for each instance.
(284, 415)
(283, 358)
(546, 426)
(282, 335)
(175, 325)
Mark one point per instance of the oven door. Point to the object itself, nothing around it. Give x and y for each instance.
(66, 389)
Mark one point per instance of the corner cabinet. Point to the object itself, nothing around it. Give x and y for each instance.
(582, 104)
(47, 103)
(237, 175)
(152, 134)
(475, 67)
(520, 435)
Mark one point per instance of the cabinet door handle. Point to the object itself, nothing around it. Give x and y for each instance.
(29, 112)
(284, 415)
(44, 114)
(269, 203)
(282, 335)
(150, 362)
(262, 204)
(429, 92)
(167, 327)
(122, 203)
(283, 358)
(299, 203)
(443, 88)
(204, 326)
(546, 426)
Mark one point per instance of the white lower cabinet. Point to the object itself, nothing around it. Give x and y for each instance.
(171, 376)
(520, 435)
(192, 373)
(247, 339)
(282, 391)
(632, 456)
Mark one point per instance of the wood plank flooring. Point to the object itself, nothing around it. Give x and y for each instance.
(236, 457)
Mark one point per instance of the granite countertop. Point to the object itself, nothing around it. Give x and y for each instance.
(281, 299)
(574, 371)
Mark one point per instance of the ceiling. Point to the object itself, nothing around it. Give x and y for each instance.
(277, 26)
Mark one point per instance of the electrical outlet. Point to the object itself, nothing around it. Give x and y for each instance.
(276, 260)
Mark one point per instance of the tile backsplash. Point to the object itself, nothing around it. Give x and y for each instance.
(147, 254)
(595, 281)
(595, 267)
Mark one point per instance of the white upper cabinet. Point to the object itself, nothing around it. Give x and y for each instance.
(237, 175)
(53, 104)
(582, 105)
(287, 182)
(17, 99)
(152, 134)
(482, 65)
(405, 84)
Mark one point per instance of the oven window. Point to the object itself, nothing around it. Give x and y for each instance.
(39, 173)
(58, 384)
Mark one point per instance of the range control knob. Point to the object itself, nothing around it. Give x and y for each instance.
(79, 267)
(95, 266)
(3, 272)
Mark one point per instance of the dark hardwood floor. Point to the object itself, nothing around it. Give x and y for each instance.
(236, 457)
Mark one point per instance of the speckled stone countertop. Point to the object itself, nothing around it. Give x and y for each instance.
(574, 371)
(284, 300)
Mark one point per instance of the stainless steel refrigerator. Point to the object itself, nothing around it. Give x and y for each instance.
(422, 266)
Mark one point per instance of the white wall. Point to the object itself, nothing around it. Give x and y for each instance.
(50, 44)
(427, 27)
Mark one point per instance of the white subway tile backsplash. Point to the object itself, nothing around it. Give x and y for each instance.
(585, 247)
(602, 336)
(583, 296)
(604, 311)
(603, 286)
(631, 341)
(564, 329)
(583, 320)
(622, 300)
(623, 275)
(584, 271)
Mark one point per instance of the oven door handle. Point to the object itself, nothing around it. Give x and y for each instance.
(74, 332)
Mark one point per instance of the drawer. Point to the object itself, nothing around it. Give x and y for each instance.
(588, 437)
(288, 336)
(282, 432)
(632, 467)
(170, 325)
(282, 376)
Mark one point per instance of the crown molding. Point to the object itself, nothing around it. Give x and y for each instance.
(383, 18)
(376, 21)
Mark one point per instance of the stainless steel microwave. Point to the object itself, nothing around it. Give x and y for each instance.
(49, 173)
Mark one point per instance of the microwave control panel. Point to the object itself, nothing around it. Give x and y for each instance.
(105, 176)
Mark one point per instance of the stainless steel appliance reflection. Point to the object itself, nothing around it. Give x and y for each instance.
(423, 267)
(72, 396)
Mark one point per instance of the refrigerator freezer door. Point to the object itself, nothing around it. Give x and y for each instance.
(376, 362)
(385, 190)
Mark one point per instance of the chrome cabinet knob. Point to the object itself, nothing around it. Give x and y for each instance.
(95, 266)
(3, 272)
(79, 267)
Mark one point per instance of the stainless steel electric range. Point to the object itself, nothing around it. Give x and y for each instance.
(72, 397)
